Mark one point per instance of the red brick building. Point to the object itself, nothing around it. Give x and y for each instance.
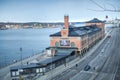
(98, 23)
(79, 39)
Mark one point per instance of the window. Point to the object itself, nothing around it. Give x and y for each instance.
(57, 44)
(17, 73)
(72, 44)
(13, 74)
(41, 70)
(84, 42)
(37, 70)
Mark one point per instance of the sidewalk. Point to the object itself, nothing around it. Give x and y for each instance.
(49, 75)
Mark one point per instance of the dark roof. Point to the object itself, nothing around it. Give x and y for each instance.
(24, 67)
(62, 48)
(80, 31)
(95, 20)
(52, 60)
(65, 51)
(59, 55)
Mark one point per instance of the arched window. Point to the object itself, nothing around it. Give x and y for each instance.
(72, 44)
(57, 44)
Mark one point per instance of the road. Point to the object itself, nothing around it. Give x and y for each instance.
(109, 69)
(106, 63)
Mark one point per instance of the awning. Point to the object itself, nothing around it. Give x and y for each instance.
(64, 51)
(61, 53)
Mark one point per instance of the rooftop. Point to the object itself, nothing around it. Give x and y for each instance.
(95, 20)
(79, 31)
(24, 66)
(60, 55)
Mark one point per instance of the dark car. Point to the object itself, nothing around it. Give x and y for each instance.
(108, 36)
(86, 68)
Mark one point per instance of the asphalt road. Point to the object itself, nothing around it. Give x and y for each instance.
(106, 62)
(109, 69)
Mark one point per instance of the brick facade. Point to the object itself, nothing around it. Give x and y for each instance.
(81, 43)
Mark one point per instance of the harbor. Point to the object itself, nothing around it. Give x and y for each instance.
(6, 73)
(60, 40)
(41, 64)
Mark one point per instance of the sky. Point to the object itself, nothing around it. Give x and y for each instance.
(54, 10)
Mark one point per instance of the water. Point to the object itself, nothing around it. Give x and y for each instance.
(32, 41)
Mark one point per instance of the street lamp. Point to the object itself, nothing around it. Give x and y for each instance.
(52, 66)
(20, 71)
(21, 55)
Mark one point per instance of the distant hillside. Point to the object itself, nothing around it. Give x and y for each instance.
(15, 25)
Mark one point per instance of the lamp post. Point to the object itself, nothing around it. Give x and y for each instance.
(20, 71)
(52, 66)
(21, 55)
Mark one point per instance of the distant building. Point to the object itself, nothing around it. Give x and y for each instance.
(3, 27)
(81, 38)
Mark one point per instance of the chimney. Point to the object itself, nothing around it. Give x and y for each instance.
(66, 22)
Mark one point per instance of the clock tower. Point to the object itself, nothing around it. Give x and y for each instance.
(65, 30)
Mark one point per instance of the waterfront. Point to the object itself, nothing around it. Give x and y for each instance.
(32, 42)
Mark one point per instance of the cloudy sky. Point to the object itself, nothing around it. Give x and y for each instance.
(54, 10)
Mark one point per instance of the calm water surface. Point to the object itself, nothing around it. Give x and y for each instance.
(32, 42)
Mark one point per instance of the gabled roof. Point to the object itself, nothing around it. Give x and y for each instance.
(79, 31)
(95, 20)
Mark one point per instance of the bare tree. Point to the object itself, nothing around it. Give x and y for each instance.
(103, 8)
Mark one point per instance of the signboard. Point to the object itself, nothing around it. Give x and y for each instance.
(64, 42)
(48, 52)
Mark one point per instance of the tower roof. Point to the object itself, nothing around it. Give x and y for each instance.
(95, 20)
